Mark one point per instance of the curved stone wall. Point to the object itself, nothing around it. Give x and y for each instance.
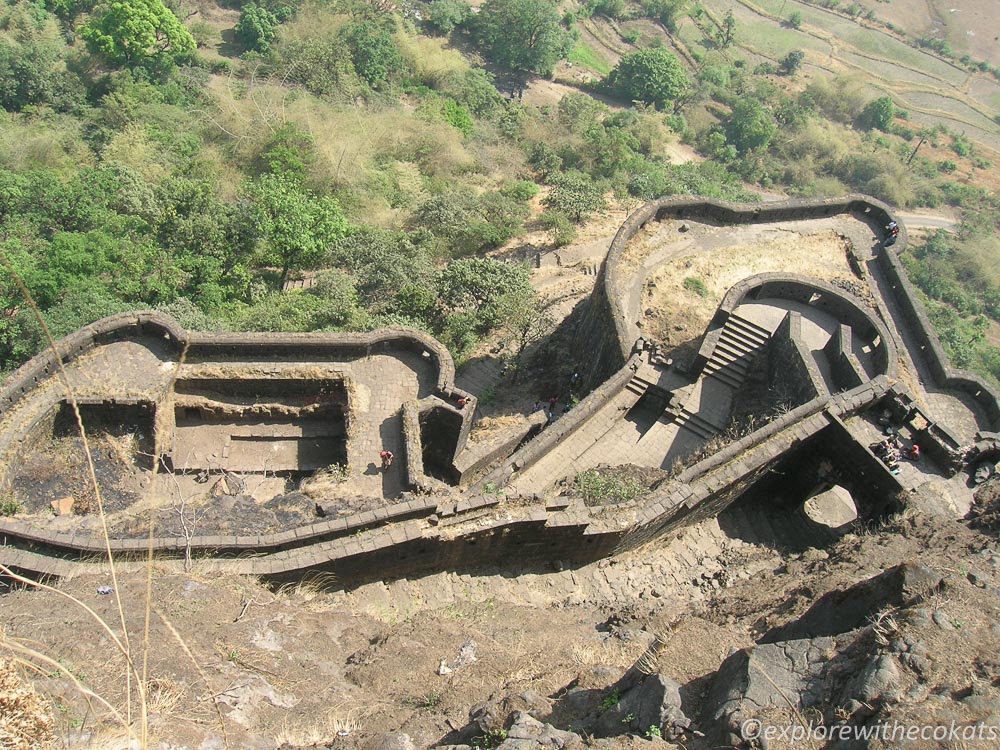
(815, 293)
(605, 330)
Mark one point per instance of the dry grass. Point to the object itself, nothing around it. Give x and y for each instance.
(489, 426)
(341, 721)
(25, 721)
(608, 652)
(357, 148)
(822, 255)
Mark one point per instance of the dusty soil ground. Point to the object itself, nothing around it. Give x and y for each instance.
(690, 287)
(309, 666)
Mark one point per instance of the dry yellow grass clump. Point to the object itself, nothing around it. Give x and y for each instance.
(25, 721)
(710, 275)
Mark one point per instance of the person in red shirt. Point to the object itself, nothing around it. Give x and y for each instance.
(386, 456)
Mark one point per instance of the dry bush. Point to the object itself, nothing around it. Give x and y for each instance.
(360, 151)
(55, 143)
(25, 720)
(133, 148)
(430, 59)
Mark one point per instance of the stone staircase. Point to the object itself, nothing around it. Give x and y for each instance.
(639, 385)
(738, 344)
(697, 424)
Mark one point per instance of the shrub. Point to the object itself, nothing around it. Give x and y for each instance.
(791, 62)
(561, 230)
(696, 285)
(9, 505)
(653, 75)
(794, 20)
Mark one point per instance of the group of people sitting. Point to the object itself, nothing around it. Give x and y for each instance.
(891, 450)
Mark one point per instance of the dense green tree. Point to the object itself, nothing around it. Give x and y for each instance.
(750, 127)
(295, 227)
(877, 114)
(383, 262)
(374, 53)
(576, 196)
(791, 62)
(444, 16)
(523, 35)
(257, 27)
(489, 290)
(137, 32)
(30, 74)
(794, 19)
(653, 75)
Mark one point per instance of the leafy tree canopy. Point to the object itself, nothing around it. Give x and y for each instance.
(137, 32)
(653, 75)
(524, 35)
(296, 228)
(750, 127)
(489, 290)
(576, 196)
(791, 62)
(877, 114)
(257, 27)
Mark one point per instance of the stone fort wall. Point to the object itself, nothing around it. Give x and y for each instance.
(423, 534)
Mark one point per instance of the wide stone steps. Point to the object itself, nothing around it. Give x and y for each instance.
(697, 424)
(737, 345)
(638, 385)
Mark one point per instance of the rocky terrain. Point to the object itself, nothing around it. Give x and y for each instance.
(700, 640)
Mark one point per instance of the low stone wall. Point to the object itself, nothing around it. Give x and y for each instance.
(474, 460)
(815, 293)
(201, 345)
(413, 458)
(421, 534)
(563, 428)
(933, 352)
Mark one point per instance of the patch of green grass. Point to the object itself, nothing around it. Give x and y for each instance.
(696, 286)
(585, 55)
(9, 505)
(610, 700)
(601, 490)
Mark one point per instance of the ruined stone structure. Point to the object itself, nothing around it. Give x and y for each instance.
(288, 405)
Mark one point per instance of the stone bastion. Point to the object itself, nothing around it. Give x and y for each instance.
(212, 406)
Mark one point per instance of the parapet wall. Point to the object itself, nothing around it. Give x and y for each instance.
(825, 297)
(606, 321)
(931, 349)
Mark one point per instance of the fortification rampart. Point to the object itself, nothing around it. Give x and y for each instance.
(424, 534)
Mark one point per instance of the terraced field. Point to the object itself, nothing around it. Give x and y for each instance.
(932, 89)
